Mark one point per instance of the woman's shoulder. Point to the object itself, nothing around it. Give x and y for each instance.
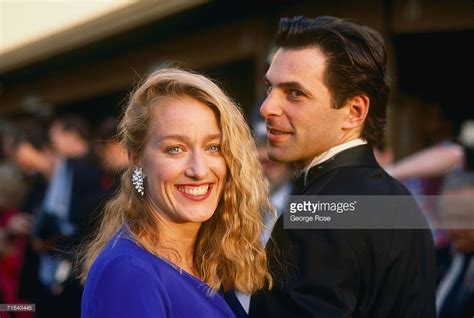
(124, 280)
(124, 285)
(121, 262)
(120, 255)
(123, 257)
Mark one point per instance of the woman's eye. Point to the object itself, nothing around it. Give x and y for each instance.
(174, 150)
(214, 148)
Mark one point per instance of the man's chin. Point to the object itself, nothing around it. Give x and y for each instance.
(278, 155)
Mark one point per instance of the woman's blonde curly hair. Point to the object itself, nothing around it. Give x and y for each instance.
(228, 252)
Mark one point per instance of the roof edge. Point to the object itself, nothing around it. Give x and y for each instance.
(115, 22)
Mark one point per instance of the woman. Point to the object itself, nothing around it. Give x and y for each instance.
(186, 222)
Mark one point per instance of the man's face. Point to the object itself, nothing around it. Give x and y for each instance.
(298, 112)
(61, 139)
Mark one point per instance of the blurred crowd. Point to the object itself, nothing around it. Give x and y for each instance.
(55, 177)
(441, 177)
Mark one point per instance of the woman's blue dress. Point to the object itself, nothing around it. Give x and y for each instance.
(128, 281)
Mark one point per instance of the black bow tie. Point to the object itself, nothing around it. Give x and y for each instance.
(299, 184)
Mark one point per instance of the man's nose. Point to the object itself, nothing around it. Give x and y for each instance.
(270, 106)
(198, 167)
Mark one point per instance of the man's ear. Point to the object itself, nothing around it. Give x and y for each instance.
(357, 110)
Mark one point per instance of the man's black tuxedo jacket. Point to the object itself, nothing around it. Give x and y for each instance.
(349, 273)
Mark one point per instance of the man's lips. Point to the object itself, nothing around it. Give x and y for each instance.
(276, 134)
(278, 130)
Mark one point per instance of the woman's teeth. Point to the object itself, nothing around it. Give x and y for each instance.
(201, 190)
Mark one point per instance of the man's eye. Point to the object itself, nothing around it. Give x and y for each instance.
(214, 148)
(174, 150)
(268, 89)
(296, 93)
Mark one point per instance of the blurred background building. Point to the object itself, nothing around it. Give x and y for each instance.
(85, 56)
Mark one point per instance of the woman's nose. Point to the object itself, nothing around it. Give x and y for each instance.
(198, 167)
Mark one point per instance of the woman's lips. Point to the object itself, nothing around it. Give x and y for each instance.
(195, 192)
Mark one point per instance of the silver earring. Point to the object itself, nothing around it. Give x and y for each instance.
(137, 179)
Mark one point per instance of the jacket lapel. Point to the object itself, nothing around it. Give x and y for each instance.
(320, 175)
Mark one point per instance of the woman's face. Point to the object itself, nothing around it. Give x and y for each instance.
(182, 160)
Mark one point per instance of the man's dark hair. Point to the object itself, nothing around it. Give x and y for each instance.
(356, 63)
(107, 130)
(75, 123)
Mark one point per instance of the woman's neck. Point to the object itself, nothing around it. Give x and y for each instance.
(177, 242)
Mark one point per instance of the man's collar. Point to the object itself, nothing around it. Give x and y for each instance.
(331, 153)
(361, 155)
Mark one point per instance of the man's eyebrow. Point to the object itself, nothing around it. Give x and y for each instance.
(287, 85)
(294, 85)
(266, 81)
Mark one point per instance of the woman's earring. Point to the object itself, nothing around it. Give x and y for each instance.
(137, 179)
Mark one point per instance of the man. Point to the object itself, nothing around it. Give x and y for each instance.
(67, 213)
(325, 109)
